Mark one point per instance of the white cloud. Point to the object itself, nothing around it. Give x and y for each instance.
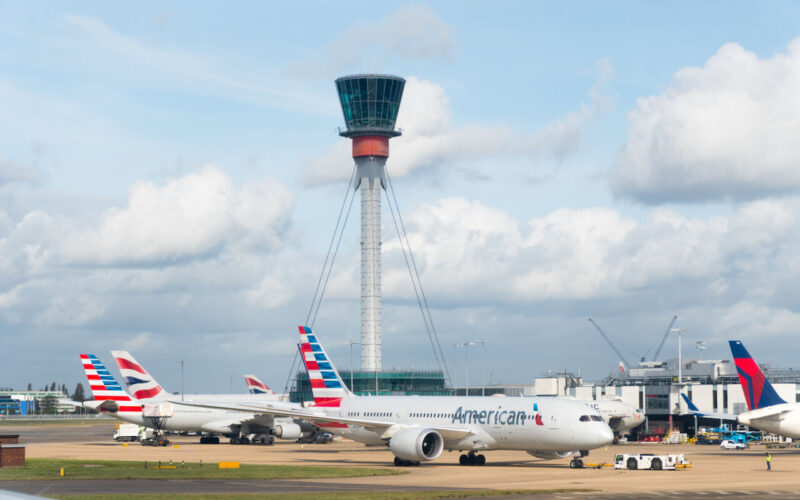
(413, 32)
(727, 130)
(470, 253)
(187, 217)
(430, 139)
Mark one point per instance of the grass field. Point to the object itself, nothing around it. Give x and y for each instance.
(375, 495)
(50, 468)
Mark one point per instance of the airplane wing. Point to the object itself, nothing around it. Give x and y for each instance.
(387, 429)
(696, 411)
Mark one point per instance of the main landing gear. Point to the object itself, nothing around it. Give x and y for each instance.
(209, 440)
(471, 459)
(403, 463)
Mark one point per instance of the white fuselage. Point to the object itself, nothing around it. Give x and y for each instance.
(544, 424)
(202, 419)
(621, 417)
(783, 419)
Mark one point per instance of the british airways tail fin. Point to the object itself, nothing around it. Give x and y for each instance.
(106, 391)
(326, 384)
(256, 386)
(141, 384)
(758, 392)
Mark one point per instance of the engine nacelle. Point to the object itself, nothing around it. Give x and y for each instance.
(416, 445)
(288, 431)
(550, 455)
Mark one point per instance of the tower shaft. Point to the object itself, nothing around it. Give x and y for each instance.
(370, 179)
(369, 104)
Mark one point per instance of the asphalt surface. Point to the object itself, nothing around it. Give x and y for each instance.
(61, 433)
(132, 486)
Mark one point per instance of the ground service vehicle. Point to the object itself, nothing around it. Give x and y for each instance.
(730, 444)
(639, 461)
(127, 432)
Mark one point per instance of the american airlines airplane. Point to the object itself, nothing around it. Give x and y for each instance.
(766, 410)
(419, 428)
(110, 398)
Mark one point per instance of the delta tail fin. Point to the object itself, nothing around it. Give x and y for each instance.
(256, 386)
(106, 391)
(326, 384)
(141, 384)
(758, 392)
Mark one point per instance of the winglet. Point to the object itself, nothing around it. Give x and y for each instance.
(758, 392)
(141, 384)
(326, 384)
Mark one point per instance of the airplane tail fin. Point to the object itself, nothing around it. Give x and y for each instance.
(256, 386)
(689, 404)
(106, 391)
(758, 392)
(141, 384)
(326, 384)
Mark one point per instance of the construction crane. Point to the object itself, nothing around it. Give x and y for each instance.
(610, 343)
(664, 339)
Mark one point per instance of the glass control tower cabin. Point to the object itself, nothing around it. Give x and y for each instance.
(370, 104)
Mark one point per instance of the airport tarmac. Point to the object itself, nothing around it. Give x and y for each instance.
(715, 472)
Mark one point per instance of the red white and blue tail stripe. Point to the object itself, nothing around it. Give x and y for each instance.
(141, 384)
(105, 387)
(326, 385)
(256, 386)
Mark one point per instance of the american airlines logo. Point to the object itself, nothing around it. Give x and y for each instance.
(492, 417)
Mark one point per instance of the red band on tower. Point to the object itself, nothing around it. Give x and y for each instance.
(370, 145)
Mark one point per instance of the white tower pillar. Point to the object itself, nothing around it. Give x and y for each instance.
(370, 178)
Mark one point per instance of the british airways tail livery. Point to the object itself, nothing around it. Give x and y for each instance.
(141, 384)
(256, 386)
(758, 392)
(766, 409)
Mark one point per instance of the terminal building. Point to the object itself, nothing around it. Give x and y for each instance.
(32, 402)
(652, 386)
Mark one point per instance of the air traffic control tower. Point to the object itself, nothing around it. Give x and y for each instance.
(370, 104)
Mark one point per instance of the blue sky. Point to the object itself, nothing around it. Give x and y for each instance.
(170, 176)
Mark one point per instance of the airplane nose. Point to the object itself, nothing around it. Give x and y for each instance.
(605, 436)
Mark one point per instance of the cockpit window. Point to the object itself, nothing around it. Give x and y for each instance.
(585, 418)
(596, 418)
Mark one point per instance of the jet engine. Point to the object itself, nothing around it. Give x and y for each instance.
(416, 445)
(550, 455)
(288, 431)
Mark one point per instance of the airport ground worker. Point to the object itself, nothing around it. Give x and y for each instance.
(769, 459)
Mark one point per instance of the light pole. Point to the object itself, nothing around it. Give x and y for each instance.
(351, 343)
(466, 373)
(483, 342)
(680, 358)
(455, 370)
